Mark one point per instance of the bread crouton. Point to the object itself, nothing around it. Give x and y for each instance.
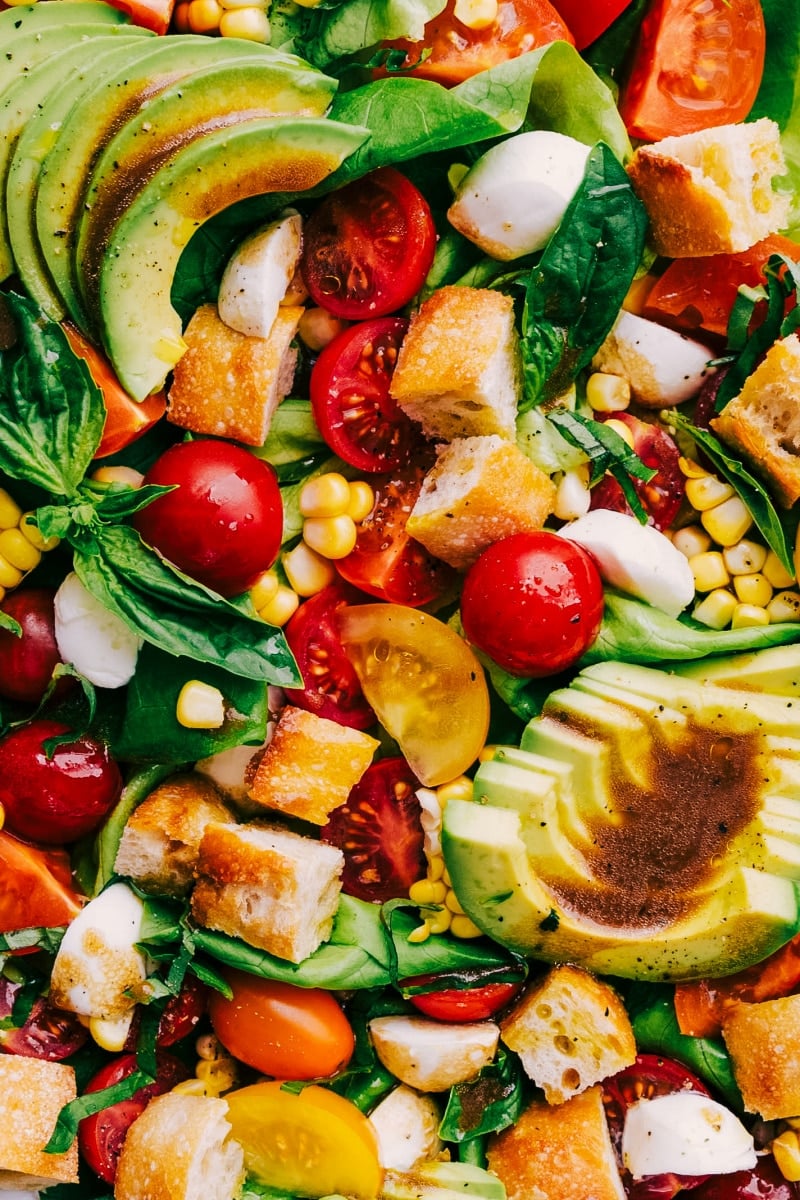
(763, 421)
(159, 844)
(273, 889)
(763, 1041)
(570, 1030)
(33, 1093)
(310, 766)
(458, 371)
(481, 489)
(558, 1152)
(711, 192)
(229, 384)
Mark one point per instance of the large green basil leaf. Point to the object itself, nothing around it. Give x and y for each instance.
(490, 1102)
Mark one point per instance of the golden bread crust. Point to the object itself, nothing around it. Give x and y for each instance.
(34, 1092)
(762, 1040)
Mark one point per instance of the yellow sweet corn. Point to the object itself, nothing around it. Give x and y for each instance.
(21, 543)
(607, 393)
(200, 706)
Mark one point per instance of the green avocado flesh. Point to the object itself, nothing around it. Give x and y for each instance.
(648, 826)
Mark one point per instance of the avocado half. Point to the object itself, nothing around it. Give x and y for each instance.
(648, 826)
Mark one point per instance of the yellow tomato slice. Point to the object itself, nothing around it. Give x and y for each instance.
(310, 1143)
(425, 684)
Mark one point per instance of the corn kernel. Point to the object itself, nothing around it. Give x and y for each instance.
(459, 788)
(111, 1035)
(30, 529)
(264, 589)
(784, 606)
(435, 867)
(607, 393)
(427, 891)
(707, 492)
(709, 571)
(572, 495)
(622, 429)
(218, 1076)
(2, 809)
(786, 1149)
(207, 1047)
(3, 594)
(440, 922)
(727, 522)
(10, 511)
(463, 927)
(362, 500)
(127, 475)
(793, 1122)
(745, 557)
(753, 589)
(10, 576)
(251, 24)
(307, 571)
(200, 706)
(180, 18)
(190, 1087)
(281, 608)
(691, 469)
(446, 880)
(776, 572)
(746, 616)
(326, 496)
(318, 328)
(452, 902)
(204, 16)
(691, 540)
(332, 537)
(420, 934)
(17, 550)
(716, 609)
(476, 14)
(637, 294)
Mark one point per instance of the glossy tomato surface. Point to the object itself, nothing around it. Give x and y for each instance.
(102, 1135)
(27, 661)
(697, 64)
(181, 1016)
(379, 831)
(368, 247)
(59, 797)
(222, 523)
(662, 495)
(451, 52)
(281, 1030)
(586, 21)
(350, 397)
(764, 1182)
(455, 1005)
(533, 602)
(46, 1032)
(36, 888)
(331, 687)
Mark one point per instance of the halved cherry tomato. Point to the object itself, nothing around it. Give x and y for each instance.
(36, 886)
(281, 1030)
(386, 561)
(472, 1004)
(101, 1136)
(379, 831)
(181, 1016)
(151, 14)
(662, 495)
(697, 294)
(47, 1032)
(350, 398)
(697, 64)
(455, 52)
(126, 419)
(587, 21)
(331, 688)
(764, 1182)
(368, 247)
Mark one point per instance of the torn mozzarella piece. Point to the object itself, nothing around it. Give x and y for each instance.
(663, 367)
(406, 1123)
(258, 275)
(95, 641)
(686, 1133)
(432, 1056)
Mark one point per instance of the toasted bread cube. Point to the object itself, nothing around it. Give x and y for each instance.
(480, 489)
(763, 1041)
(310, 766)
(33, 1093)
(271, 888)
(229, 384)
(570, 1030)
(161, 839)
(458, 371)
(558, 1152)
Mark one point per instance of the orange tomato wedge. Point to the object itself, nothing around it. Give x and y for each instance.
(36, 886)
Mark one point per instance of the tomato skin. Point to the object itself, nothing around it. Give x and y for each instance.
(368, 247)
(379, 831)
(661, 496)
(47, 1032)
(331, 686)
(764, 1182)
(587, 21)
(458, 52)
(27, 662)
(181, 1016)
(57, 799)
(281, 1030)
(223, 522)
(36, 886)
(474, 1004)
(533, 602)
(151, 14)
(697, 64)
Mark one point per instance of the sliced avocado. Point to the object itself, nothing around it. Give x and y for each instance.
(775, 670)
(583, 772)
(622, 726)
(132, 277)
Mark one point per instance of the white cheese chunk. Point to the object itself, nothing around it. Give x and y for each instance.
(406, 1123)
(258, 275)
(686, 1133)
(94, 640)
(663, 367)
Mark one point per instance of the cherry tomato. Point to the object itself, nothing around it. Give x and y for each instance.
(101, 1136)
(35, 886)
(281, 1030)
(764, 1182)
(386, 562)
(181, 1016)
(696, 295)
(222, 523)
(368, 247)
(59, 798)
(126, 419)
(350, 397)
(379, 831)
(587, 21)
(331, 686)
(151, 14)
(662, 495)
(27, 661)
(47, 1032)
(472, 1004)
(457, 52)
(697, 64)
(310, 1143)
(533, 602)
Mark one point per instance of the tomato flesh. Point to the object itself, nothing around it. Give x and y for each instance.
(697, 64)
(661, 496)
(369, 246)
(27, 662)
(281, 1030)
(379, 831)
(533, 602)
(47, 1032)
(36, 887)
(472, 1004)
(764, 1182)
(587, 21)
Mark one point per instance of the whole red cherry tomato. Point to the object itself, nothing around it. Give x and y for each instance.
(27, 660)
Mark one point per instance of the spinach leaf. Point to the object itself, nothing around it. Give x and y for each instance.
(358, 24)
(366, 1081)
(581, 279)
(51, 412)
(491, 1101)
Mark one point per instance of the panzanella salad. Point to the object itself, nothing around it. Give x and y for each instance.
(399, 602)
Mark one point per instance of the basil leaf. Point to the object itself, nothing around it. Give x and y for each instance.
(73, 1113)
(178, 615)
(51, 412)
(491, 1101)
(606, 451)
(47, 939)
(121, 502)
(365, 1081)
(779, 286)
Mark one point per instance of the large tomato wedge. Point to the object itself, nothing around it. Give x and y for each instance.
(451, 52)
(368, 247)
(350, 397)
(36, 888)
(697, 64)
(660, 496)
(587, 21)
(379, 831)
